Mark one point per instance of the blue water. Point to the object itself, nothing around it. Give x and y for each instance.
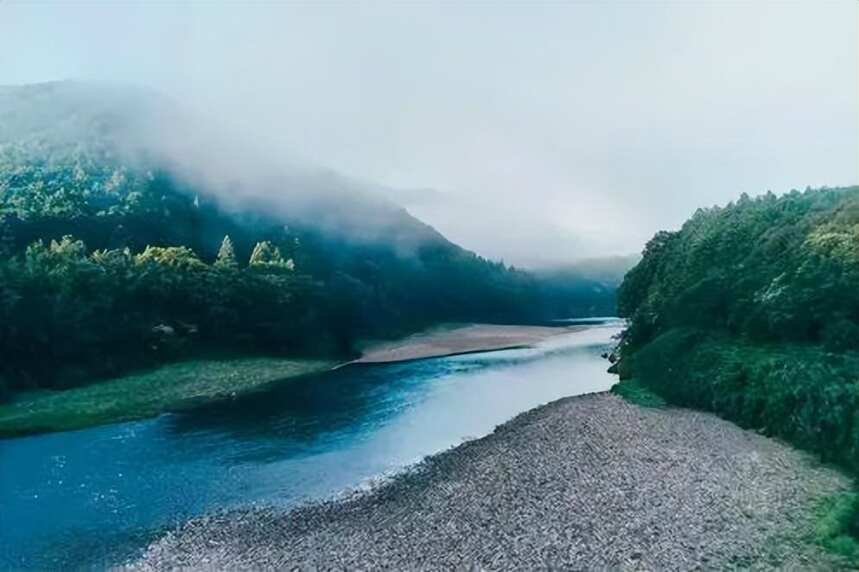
(96, 497)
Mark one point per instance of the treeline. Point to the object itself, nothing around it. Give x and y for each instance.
(752, 311)
(67, 315)
(107, 264)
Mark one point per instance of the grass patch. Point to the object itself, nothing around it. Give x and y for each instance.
(168, 388)
(635, 392)
(838, 524)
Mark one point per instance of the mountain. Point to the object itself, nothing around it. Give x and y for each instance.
(130, 128)
(124, 216)
(498, 228)
(586, 287)
(607, 270)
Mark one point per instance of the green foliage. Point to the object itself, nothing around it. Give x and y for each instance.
(69, 181)
(799, 393)
(752, 311)
(226, 255)
(148, 293)
(771, 268)
(180, 258)
(66, 316)
(838, 526)
(841, 335)
(267, 256)
(168, 388)
(156, 269)
(635, 392)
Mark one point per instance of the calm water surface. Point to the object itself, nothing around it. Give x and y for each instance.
(95, 497)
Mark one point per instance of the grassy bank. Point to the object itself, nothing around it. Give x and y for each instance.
(168, 388)
(634, 391)
(838, 527)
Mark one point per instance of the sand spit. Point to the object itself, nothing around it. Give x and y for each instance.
(460, 339)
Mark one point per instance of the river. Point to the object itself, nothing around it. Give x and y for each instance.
(96, 497)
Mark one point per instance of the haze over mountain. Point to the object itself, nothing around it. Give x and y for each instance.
(144, 128)
(160, 219)
(643, 114)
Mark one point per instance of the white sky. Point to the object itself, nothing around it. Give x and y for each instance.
(553, 130)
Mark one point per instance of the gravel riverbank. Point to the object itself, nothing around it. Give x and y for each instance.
(584, 482)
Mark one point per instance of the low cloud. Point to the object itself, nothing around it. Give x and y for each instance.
(546, 132)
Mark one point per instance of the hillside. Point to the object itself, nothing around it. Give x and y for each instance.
(133, 232)
(752, 311)
(585, 287)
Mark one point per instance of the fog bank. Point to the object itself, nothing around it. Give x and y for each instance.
(543, 132)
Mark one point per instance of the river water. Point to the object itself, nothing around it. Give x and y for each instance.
(96, 497)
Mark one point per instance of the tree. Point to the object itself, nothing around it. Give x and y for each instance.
(265, 255)
(752, 311)
(226, 255)
(179, 257)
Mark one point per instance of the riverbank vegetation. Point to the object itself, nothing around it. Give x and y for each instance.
(634, 391)
(837, 527)
(752, 311)
(153, 273)
(171, 387)
(115, 257)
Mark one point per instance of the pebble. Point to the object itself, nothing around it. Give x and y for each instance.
(588, 482)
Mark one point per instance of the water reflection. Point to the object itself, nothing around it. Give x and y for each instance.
(90, 496)
(294, 417)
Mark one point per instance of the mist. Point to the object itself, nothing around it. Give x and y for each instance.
(536, 134)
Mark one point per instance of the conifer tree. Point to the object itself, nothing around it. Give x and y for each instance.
(226, 255)
(267, 255)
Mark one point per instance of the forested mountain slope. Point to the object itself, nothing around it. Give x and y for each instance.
(585, 287)
(752, 310)
(131, 232)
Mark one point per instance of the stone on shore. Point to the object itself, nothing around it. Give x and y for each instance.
(582, 483)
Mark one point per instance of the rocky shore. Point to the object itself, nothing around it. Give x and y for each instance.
(589, 482)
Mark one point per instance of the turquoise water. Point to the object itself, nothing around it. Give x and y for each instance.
(96, 497)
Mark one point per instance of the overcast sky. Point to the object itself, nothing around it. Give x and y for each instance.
(549, 131)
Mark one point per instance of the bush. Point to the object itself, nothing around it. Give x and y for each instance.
(837, 525)
(798, 393)
(841, 335)
(635, 392)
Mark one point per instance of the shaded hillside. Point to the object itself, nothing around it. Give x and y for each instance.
(752, 311)
(585, 288)
(115, 208)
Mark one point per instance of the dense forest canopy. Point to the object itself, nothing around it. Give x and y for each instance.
(114, 255)
(752, 310)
